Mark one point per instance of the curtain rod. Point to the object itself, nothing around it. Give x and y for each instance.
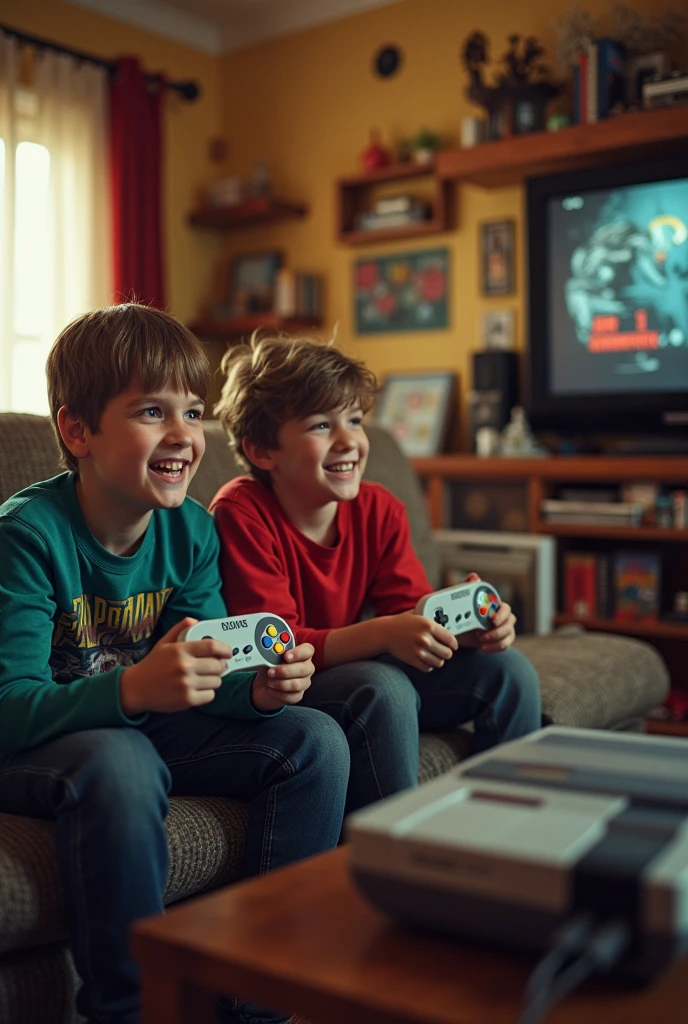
(188, 90)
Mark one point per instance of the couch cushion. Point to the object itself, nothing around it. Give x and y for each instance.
(596, 680)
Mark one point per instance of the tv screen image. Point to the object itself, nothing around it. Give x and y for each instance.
(619, 269)
(608, 261)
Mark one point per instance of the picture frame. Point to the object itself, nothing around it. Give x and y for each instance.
(497, 333)
(644, 68)
(252, 280)
(416, 408)
(497, 243)
(406, 291)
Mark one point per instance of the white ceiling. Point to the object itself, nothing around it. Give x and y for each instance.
(218, 26)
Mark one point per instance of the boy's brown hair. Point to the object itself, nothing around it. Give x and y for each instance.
(99, 354)
(275, 378)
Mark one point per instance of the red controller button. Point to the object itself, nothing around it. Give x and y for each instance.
(285, 637)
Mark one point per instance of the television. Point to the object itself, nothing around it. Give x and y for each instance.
(608, 302)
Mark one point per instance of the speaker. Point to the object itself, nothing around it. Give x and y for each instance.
(495, 390)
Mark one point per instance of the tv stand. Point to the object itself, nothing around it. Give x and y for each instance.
(465, 492)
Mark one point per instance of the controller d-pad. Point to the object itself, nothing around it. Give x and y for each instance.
(440, 617)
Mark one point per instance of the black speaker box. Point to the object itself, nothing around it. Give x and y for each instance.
(495, 390)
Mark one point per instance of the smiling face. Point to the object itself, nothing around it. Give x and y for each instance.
(144, 454)
(319, 460)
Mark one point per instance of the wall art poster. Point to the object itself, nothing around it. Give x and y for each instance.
(404, 292)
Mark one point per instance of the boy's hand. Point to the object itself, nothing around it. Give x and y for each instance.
(418, 641)
(501, 633)
(174, 676)
(286, 683)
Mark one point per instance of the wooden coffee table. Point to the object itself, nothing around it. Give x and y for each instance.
(302, 940)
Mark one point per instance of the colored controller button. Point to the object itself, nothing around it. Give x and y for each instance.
(278, 648)
(266, 642)
(271, 631)
(247, 649)
(285, 637)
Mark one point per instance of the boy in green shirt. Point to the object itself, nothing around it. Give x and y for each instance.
(103, 714)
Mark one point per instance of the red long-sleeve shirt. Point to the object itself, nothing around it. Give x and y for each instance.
(269, 565)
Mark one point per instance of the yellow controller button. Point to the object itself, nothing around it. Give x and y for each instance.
(278, 647)
(271, 631)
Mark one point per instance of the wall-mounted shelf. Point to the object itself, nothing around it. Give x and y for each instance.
(261, 210)
(354, 195)
(643, 134)
(237, 327)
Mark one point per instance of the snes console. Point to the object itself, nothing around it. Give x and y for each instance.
(463, 607)
(513, 843)
(256, 640)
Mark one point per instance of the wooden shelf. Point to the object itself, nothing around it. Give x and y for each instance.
(238, 326)
(261, 210)
(650, 630)
(617, 139)
(643, 533)
(353, 197)
(595, 468)
(665, 727)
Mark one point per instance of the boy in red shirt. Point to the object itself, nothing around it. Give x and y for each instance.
(304, 536)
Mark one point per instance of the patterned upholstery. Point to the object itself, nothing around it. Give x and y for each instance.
(591, 680)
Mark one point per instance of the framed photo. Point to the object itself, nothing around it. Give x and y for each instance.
(637, 576)
(405, 292)
(644, 68)
(497, 257)
(498, 329)
(252, 279)
(416, 409)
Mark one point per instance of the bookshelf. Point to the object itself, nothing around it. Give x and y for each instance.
(356, 192)
(527, 482)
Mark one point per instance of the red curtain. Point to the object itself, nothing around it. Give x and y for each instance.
(136, 173)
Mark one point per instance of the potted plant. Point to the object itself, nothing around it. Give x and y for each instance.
(424, 145)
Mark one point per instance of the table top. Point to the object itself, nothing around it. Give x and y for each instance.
(302, 939)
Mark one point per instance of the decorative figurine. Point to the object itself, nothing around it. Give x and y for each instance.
(517, 101)
(518, 440)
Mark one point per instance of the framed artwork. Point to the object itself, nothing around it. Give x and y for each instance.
(416, 409)
(252, 278)
(497, 257)
(404, 292)
(498, 329)
(641, 69)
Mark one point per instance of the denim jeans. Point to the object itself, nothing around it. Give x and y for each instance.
(108, 790)
(382, 705)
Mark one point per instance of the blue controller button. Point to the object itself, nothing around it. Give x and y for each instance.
(247, 649)
(266, 642)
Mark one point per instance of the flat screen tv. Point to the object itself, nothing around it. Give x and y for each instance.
(608, 300)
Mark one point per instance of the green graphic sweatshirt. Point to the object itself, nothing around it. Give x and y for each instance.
(73, 616)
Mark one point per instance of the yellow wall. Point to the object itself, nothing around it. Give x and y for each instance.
(191, 259)
(307, 102)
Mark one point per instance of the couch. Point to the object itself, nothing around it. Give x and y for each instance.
(588, 680)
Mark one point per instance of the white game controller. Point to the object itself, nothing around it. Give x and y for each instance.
(458, 609)
(256, 640)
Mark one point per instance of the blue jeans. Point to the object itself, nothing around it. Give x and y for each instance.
(108, 789)
(382, 705)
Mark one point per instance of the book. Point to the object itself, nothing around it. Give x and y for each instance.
(582, 79)
(591, 98)
(609, 513)
(636, 586)
(580, 584)
(605, 604)
(611, 75)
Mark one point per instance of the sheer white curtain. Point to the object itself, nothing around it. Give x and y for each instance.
(55, 242)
